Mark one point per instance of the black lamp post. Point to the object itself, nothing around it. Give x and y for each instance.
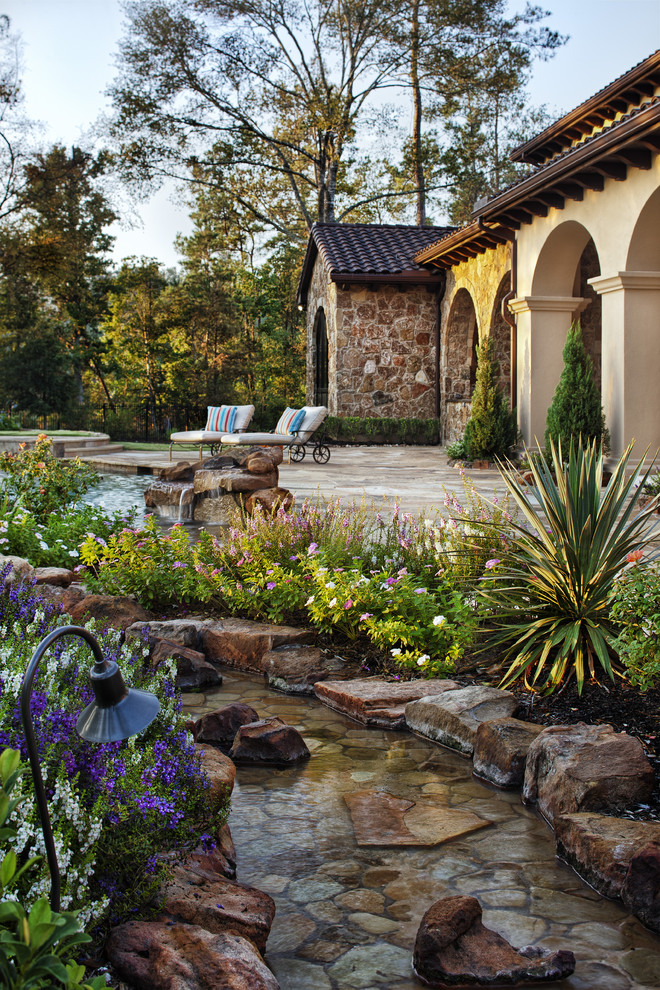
(117, 713)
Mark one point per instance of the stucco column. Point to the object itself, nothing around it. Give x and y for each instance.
(542, 325)
(631, 358)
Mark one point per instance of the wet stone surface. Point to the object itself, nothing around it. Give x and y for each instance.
(347, 916)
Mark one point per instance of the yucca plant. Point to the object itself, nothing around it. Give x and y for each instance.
(550, 602)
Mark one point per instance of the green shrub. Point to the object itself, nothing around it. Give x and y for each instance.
(636, 608)
(53, 540)
(36, 948)
(41, 482)
(491, 430)
(551, 601)
(576, 409)
(352, 429)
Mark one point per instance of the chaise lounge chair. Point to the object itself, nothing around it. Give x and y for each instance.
(220, 420)
(295, 429)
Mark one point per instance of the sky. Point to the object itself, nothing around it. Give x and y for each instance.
(69, 61)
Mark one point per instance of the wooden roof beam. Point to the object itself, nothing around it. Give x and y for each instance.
(637, 157)
(524, 216)
(589, 180)
(611, 170)
(570, 190)
(536, 207)
(551, 198)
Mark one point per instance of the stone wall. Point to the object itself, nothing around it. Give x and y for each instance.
(381, 347)
(470, 311)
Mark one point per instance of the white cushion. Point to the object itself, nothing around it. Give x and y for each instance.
(314, 416)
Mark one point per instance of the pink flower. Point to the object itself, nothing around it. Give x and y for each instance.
(365, 616)
(492, 563)
(634, 556)
(349, 603)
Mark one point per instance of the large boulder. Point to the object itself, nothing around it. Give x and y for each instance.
(600, 848)
(500, 750)
(375, 701)
(233, 479)
(641, 887)
(117, 612)
(241, 643)
(274, 453)
(61, 577)
(580, 767)
(220, 727)
(183, 632)
(219, 769)
(454, 949)
(19, 570)
(181, 471)
(193, 670)
(269, 501)
(217, 904)
(269, 741)
(63, 598)
(151, 954)
(453, 719)
(176, 495)
(295, 669)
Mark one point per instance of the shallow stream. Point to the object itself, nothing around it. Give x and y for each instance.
(347, 915)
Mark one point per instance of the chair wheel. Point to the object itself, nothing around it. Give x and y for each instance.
(297, 452)
(321, 453)
(214, 449)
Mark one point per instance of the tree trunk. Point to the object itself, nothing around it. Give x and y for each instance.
(418, 168)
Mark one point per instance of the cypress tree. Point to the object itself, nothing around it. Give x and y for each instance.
(491, 430)
(576, 408)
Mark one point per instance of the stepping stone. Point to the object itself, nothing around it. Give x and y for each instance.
(295, 669)
(600, 847)
(241, 643)
(375, 701)
(500, 750)
(155, 954)
(217, 904)
(382, 819)
(583, 767)
(453, 719)
(269, 741)
(220, 727)
(454, 948)
(193, 672)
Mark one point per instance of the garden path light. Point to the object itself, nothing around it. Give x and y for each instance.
(116, 713)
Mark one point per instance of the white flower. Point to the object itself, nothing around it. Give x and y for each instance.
(330, 585)
(422, 661)
(43, 545)
(396, 652)
(332, 603)
(309, 600)
(73, 553)
(439, 620)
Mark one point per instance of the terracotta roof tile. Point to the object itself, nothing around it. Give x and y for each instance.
(372, 249)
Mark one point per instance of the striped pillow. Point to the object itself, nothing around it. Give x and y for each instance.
(220, 419)
(290, 421)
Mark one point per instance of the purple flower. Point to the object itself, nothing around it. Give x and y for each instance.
(365, 616)
(420, 591)
(492, 563)
(178, 563)
(271, 585)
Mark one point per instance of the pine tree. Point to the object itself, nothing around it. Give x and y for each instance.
(491, 430)
(576, 408)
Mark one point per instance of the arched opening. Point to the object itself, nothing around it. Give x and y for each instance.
(500, 334)
(566, 262)
(320, 359)
(460, 366)
(644, 250)
(591, 316)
